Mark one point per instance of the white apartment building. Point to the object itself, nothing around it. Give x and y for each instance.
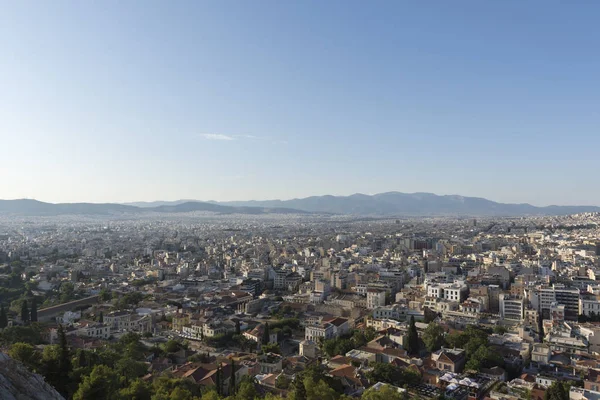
(511, 308)
(375, 298)
(589, 304)
(448, 291)
(544, 296)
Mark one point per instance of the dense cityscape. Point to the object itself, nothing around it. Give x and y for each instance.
(200, 305)
(299, 200)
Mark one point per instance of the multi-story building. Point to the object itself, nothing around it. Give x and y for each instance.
(511, 308)
(448, 291)
(588, 304)
(94, 329)
(315, 332)
(543, 297)
(375, 298)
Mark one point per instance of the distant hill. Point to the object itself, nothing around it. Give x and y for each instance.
(151, 204)
(27, 207)
(397, 203)
(39, 208)
(390, 203)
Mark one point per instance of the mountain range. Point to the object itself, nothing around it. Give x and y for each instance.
(397, 203)
(389, 204)
(27, 207)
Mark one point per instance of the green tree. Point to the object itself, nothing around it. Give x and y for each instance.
(500, 330)
(33, 313)
(541, 327)
(271, 348)
(64, 362)
(232, 379)
(137, 390)
(130, 369)
(433, 337)
(164, 387)
(104, 295)
(413, 337)
(3, 317)
(238, 328)
(319, 390)
(558, 391)
(172, 346)
(266, 334)
(101, 317)
(246, 391)
(180, 393)
(101, 383)
(384, 393)
(210, 395)
(24, 312)
(28, 334)
(299, 389)
(219, 381)
(484, 357)
(282, 382)
(25, 353)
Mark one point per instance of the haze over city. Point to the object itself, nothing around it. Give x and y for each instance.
(123, 102)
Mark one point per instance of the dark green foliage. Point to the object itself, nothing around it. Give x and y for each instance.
(500, 330)
(28, 334)
(102, 383)
(3, 317)
(219, 381)
(388, 373)
(104, 295)
(433, 337)
(129, 300)
(232, 386)
(413, 338)
(343, 344)
(299, 389)
(271, 348)
(64, 362)
(266, 334)
(24, 312)
(558, 391)
(33, 313)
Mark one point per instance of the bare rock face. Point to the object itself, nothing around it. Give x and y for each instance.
(18, 383)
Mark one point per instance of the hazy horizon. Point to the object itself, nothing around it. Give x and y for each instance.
(286, 199)
(142, 101)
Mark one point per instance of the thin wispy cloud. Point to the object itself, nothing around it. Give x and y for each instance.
(217, 136)
(222, 137)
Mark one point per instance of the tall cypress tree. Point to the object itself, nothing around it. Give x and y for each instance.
(24, 312)
(300, 389)
(541, 327)
(64, 362)
(34, 316)
(238, 328)
(413, 337)
(266, 334)
(219, 382)
(101, 317)
(232, 379)
(3, 317)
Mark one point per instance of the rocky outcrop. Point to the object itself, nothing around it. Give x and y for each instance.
(18, 383)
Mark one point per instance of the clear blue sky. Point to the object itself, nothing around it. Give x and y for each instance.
(235, 100)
